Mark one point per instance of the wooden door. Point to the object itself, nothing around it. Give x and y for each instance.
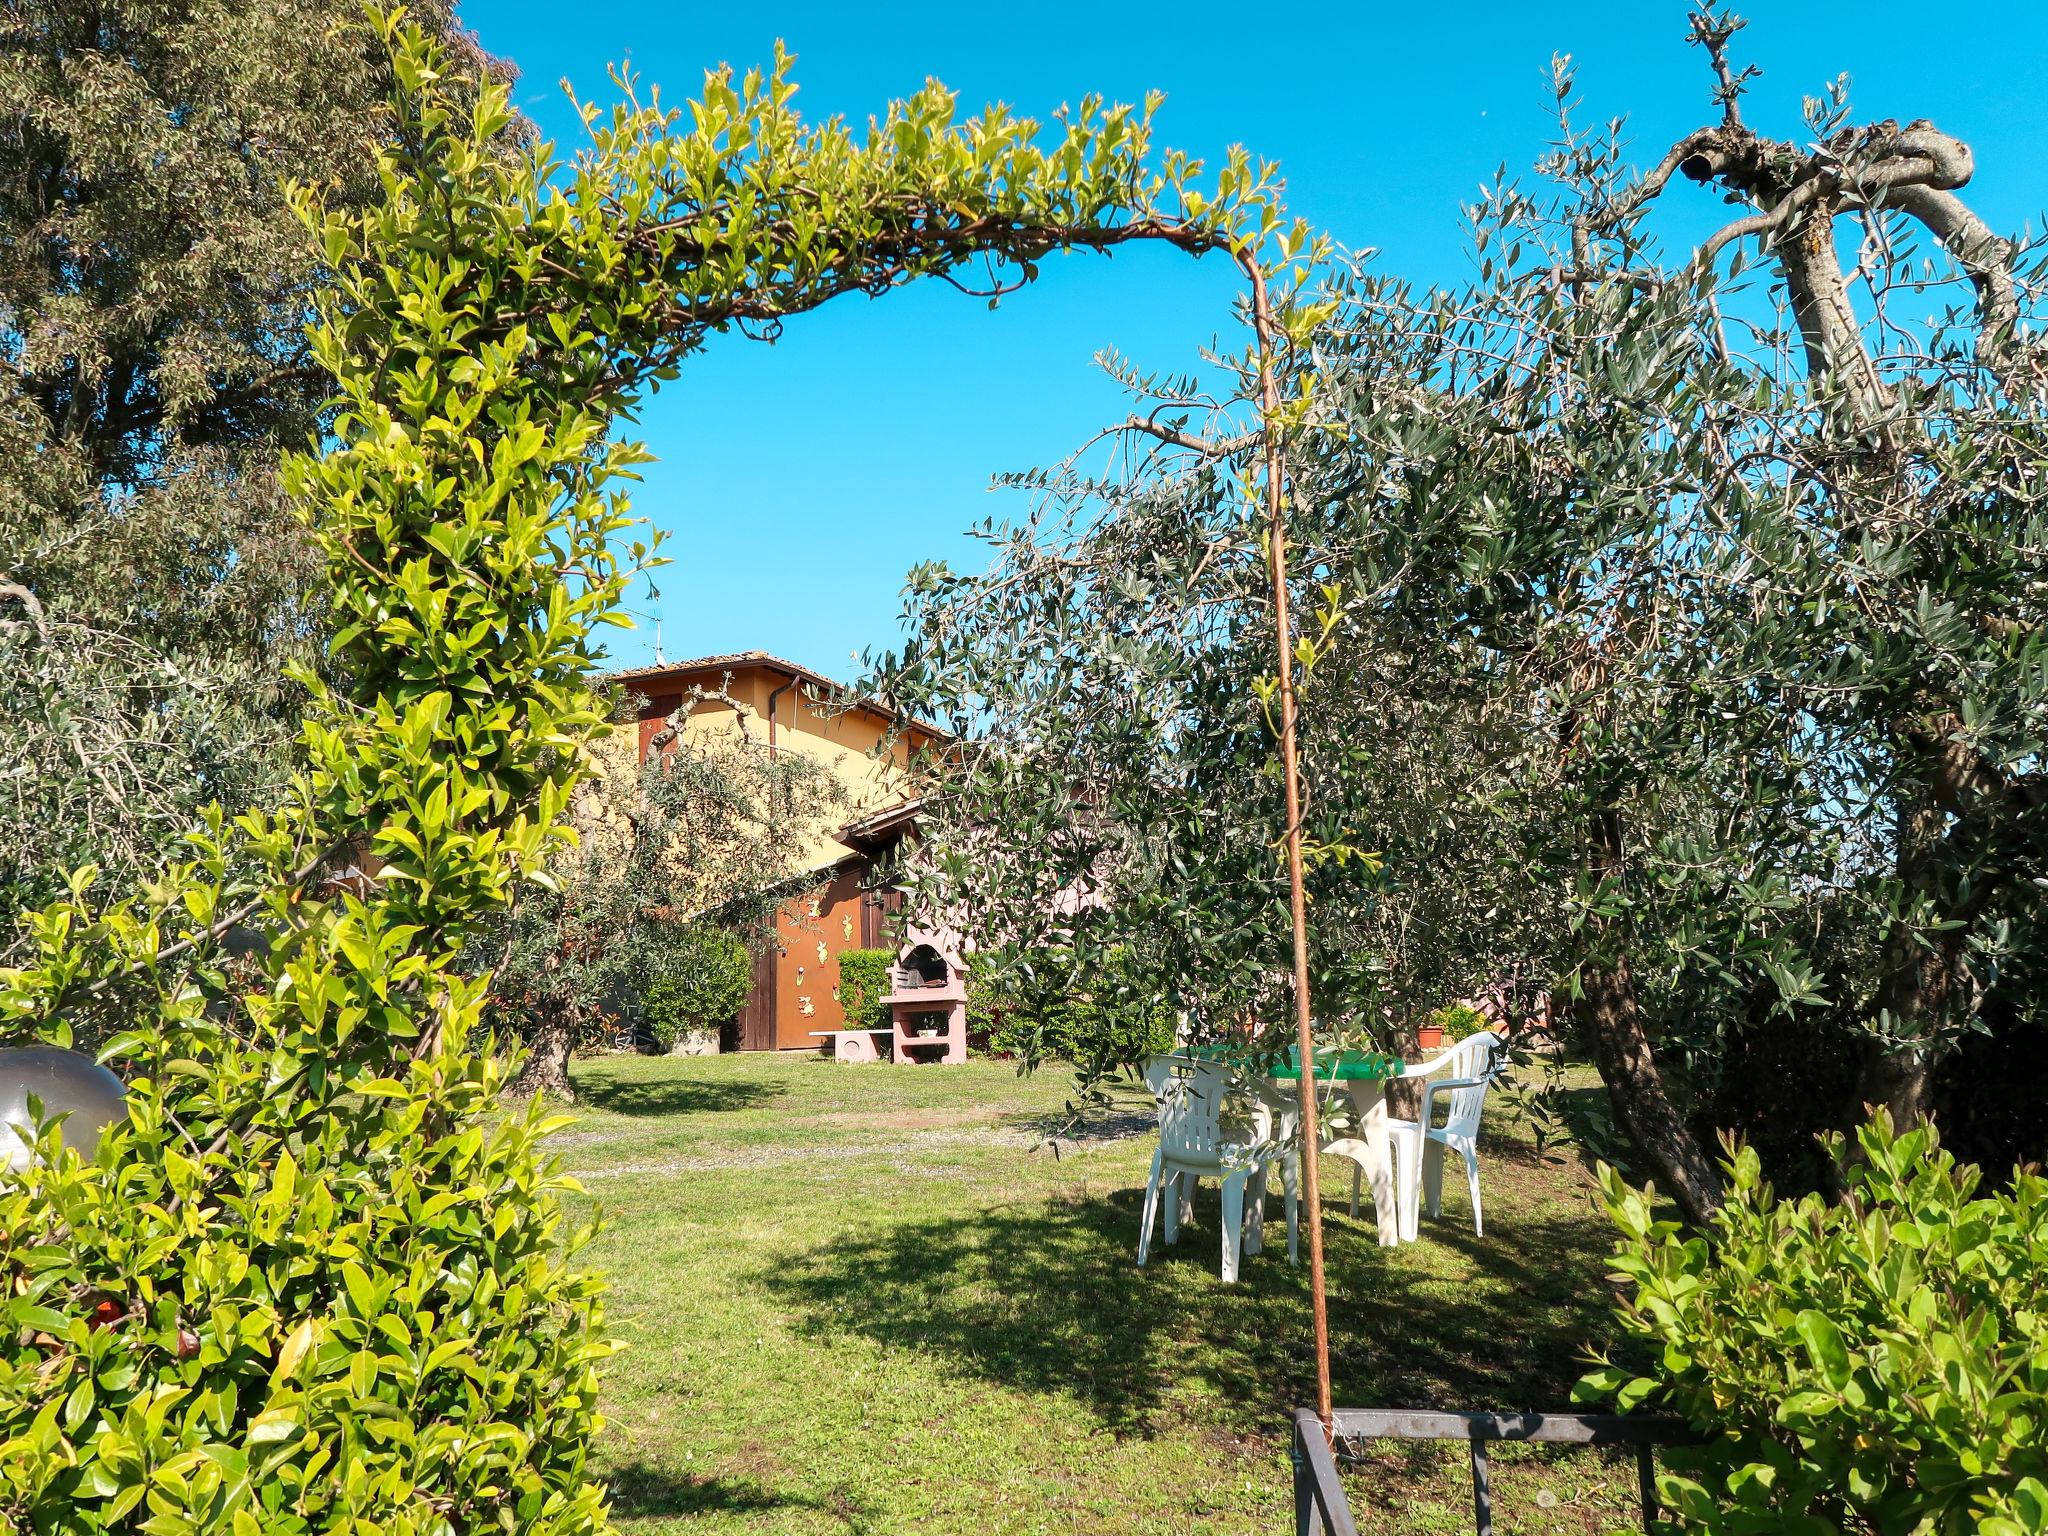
(757, 1018)
(880, 914)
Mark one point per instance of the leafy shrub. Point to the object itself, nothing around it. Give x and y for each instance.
(379, 1316)
(318, 1281)
(703, 979)
(1457, 1020)
(863, 983)
(1876, 1365)
(1098, 1021)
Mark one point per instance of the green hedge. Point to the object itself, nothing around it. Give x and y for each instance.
(863, 983)
(1878, 1364)
(1098, 1022)
(704, 979)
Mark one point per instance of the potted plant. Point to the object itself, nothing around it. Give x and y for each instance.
(1448, 1025)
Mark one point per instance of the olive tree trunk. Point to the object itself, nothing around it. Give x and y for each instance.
(546, 1067)
(1610, 1021)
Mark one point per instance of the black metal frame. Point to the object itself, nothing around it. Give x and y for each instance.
(1319, 1502)
(1319, 1492)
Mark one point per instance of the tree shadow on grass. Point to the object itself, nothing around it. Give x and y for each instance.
(656, 1097)
(1061, 1129)
(642, 1492)
(1047, 1298)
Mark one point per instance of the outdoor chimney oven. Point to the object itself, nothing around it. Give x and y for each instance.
(928, 1004)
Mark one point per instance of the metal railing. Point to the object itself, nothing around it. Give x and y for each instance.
(1319, 1502)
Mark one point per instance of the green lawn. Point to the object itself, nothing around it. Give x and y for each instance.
(871, 1299)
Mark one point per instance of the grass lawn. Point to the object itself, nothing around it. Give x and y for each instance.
(870, 1299)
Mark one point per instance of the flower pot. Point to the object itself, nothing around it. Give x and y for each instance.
(695, 1042)
(1429, 1037)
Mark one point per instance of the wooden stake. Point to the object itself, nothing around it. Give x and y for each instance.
(1297, 899)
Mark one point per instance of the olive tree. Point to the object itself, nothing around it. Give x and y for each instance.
(1914, 462)
(1677, 652)
(705, 830)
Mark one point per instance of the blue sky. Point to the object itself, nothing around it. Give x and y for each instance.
(799, 482)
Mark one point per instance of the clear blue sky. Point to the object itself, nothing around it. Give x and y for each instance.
(799, 482)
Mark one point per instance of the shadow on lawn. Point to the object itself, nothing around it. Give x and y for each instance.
(1085, 1130)
(642, 1492)
(672, 1095)
(1049, 1298)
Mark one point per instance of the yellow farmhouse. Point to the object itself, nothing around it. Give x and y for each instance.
(791, 709)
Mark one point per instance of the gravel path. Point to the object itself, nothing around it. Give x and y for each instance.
(1095, 1132)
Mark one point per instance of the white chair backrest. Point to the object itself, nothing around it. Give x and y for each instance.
(1159, 1074)
(1191, 1097)
(1473, 1056)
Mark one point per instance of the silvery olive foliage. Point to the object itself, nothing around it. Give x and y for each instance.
(699, 841)
(318, 1281)
(1675, 650)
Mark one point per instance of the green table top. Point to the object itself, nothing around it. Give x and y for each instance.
(1331, 1064)
(1341, 1066)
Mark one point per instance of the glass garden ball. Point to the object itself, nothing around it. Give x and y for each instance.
(77, 1087)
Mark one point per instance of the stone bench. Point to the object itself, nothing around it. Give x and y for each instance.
(854, 1044)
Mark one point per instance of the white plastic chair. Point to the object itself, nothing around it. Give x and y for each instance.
(1281, 1147)
(1419, 1145)
(1191, 1095)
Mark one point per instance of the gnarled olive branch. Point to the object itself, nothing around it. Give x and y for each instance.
(1867, 453)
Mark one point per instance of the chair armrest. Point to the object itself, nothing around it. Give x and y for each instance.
(1443, 1059)
(1431, 1090)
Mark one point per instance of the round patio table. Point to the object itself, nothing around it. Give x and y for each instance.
(1364, 1075)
